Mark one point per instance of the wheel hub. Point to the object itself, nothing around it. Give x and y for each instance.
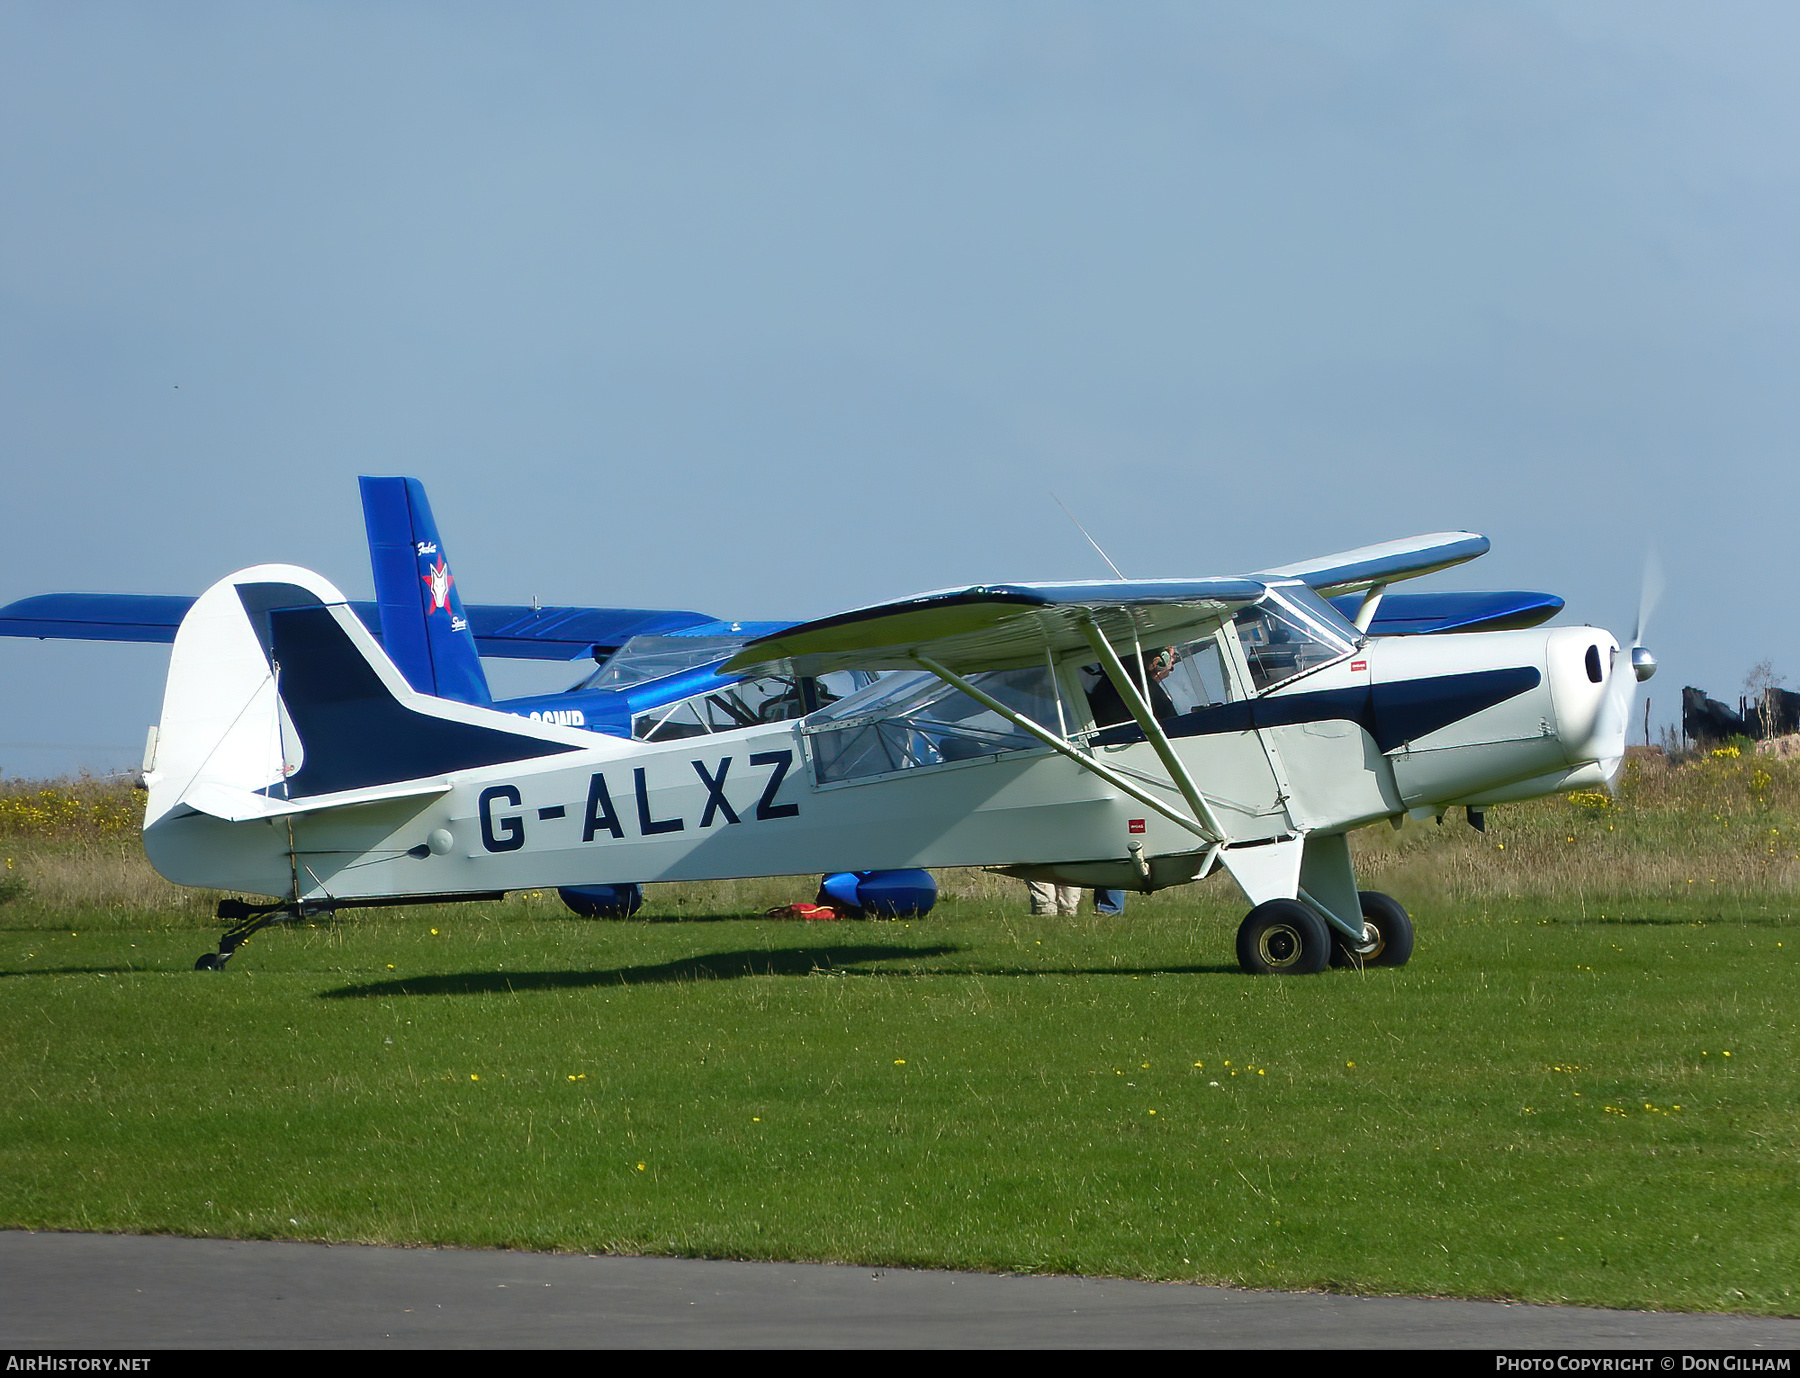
(1280, 946)
(1371, 944)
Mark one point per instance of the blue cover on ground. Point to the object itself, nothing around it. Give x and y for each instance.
(881, 894)
(839, 888)
(603, 901)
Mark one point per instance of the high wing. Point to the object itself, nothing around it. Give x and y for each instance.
(1351, 571)
(997, 626)
(1004, 626)
(513, 631)
(959, 632)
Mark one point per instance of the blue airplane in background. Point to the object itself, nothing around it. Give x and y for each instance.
(655, 676)
(652, 674)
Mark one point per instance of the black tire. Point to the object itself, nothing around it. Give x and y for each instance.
(210, 961)
(1393, 944)
(1283, 938)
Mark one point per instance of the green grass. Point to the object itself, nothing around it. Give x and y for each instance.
(1587, 1099)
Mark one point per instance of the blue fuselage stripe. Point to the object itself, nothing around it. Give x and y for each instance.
(1393, 714)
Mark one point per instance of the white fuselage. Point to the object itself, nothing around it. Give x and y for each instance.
(748, 803)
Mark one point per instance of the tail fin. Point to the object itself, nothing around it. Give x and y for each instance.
(422, 623)
(278, 694)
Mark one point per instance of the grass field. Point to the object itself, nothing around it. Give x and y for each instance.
(1582, 1089)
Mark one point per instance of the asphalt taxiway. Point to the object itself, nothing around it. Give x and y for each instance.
(128, 1292)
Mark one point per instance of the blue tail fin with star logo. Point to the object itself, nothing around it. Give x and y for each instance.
(423, 627)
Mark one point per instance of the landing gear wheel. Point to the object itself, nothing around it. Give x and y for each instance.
(1392, 942)
(210, 961)
(1283, 938)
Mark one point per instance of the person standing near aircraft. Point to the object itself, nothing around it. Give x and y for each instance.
(1048, 898)
(1108, 708)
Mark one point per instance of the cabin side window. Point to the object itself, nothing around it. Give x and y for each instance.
(1196, 678)
(748, 703)
(907, 720)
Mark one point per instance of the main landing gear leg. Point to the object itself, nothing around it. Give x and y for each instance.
(250, 917)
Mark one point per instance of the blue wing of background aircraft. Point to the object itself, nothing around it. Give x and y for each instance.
(98, 616)
(1421, 614)
(507, 631)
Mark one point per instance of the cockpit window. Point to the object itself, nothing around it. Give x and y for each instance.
(1281, 640)
(909, 720)
(772, 698)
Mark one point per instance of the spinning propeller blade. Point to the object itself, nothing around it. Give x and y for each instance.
(1621, 690)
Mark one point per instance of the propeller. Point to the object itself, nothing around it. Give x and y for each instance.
(1621, 689)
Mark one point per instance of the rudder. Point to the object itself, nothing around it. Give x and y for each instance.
(277, 693)
(423, 627)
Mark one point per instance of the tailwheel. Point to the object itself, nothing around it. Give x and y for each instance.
(250, 918)
(1283, 938)
(1387, 935)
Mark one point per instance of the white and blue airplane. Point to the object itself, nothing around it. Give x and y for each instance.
(296, 760)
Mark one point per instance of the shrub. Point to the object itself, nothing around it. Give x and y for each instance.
(85, 809)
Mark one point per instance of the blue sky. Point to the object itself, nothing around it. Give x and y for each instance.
(773, 309)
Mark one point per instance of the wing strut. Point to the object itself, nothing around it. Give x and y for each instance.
(1153, 730)
(1087, 763)
(1366, 610)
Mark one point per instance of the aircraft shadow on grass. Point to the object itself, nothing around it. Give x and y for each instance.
(717, 966)
(729, 966)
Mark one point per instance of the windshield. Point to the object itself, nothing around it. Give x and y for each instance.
(646, 658)
(1286, 635)
(1317, 609)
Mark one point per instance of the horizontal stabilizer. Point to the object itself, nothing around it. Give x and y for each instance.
(1350, 571)
(242, 805)
(997, 626)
